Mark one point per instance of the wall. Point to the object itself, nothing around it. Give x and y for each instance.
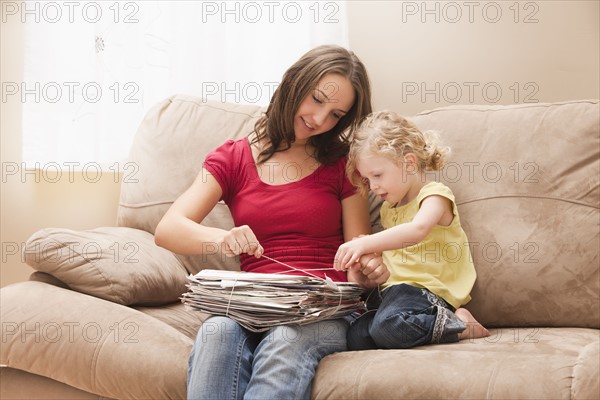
(423, 55)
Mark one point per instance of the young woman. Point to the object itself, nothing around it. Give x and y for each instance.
(286, 187)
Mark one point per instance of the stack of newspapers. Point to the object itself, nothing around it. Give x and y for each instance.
(259, 301)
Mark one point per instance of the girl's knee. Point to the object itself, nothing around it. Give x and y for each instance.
(358, 336)
(401, 331)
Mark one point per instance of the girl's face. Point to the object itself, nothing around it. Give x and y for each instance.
(322, 109)
(393, 181)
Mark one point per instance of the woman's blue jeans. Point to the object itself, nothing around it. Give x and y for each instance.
(408, 316)
(230, 362)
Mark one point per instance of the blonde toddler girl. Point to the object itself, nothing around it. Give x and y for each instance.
(423, 244)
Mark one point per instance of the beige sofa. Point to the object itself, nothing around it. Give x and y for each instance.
(101, 317)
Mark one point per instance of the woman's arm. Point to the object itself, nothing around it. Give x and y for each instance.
(181, 232)
(355, 217)
(432, 210)
(369, 271)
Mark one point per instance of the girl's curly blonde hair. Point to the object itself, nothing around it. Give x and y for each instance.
(387, 134)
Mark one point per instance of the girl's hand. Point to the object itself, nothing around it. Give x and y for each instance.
(240, 240)
(349, 254)
(369, 272)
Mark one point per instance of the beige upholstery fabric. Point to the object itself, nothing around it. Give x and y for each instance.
(168, 152)
(18, 384)
(177, 316)
(92, 344)
(528, 190)
(519, 363)
(122, 265)
(526, 178)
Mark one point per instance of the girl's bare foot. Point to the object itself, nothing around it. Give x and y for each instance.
(474, 328)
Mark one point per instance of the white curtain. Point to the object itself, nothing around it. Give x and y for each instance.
(93, 69)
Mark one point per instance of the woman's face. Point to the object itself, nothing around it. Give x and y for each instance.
(322, 109)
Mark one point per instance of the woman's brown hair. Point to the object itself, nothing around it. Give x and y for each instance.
(277, 125)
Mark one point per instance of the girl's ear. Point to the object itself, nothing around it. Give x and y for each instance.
(411, 160)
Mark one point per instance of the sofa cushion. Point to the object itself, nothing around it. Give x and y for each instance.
(513, 363)
(18, 384)
(527, 187)
(122, 265)
(91, 344)
(528, 209)
(178, 316)
(167, 154)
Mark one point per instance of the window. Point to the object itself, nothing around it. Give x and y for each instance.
(93, 69)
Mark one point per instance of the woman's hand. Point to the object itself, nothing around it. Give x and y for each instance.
(369, 271)
(240, 240)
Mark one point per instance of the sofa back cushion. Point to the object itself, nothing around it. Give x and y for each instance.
(526, 180)
(167, 155)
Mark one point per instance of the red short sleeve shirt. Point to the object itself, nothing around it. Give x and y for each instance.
(298, 223)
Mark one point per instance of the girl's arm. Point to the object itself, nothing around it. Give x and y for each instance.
(180, 231)
(370, 270)
(433, 209)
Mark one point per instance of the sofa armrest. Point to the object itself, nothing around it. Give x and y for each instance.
(91, 344)
(119, 264)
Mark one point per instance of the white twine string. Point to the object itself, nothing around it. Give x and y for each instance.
(230, 296)
(306, 272)
(294, 268)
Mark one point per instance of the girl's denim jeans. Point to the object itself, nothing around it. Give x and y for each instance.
(406, 317)
(230, 362)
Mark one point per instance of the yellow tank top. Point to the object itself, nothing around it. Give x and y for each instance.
(442, 262)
